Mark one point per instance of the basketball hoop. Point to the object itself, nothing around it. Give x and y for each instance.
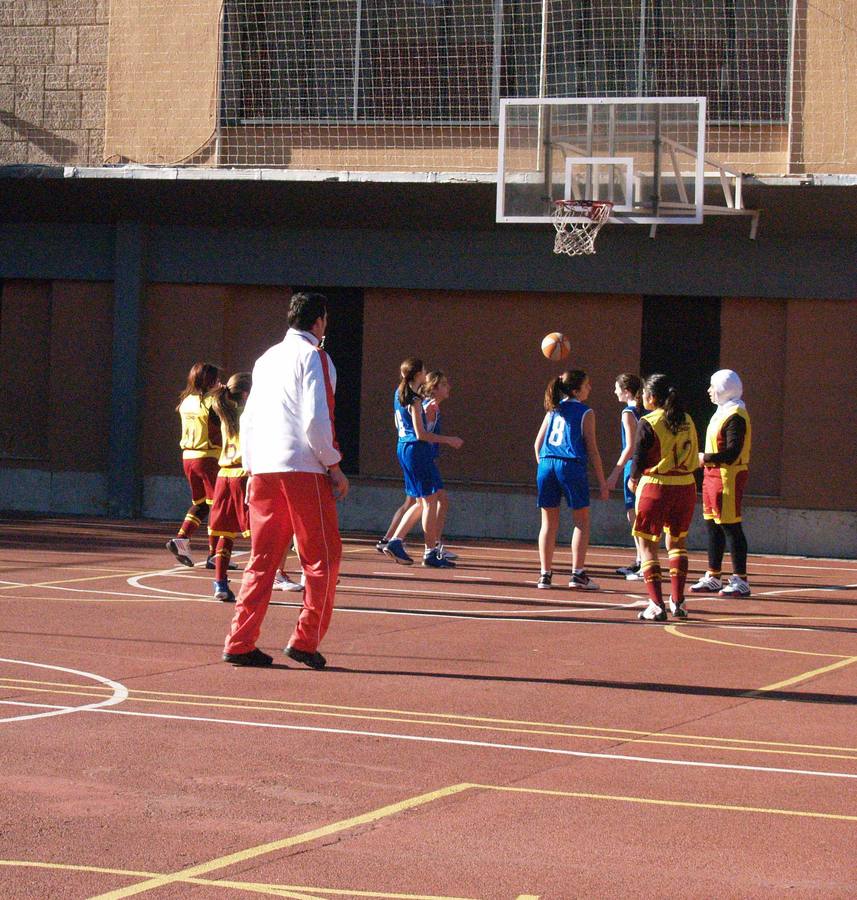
(577, 224)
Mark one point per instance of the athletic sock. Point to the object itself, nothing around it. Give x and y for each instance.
(678, 574)
(651, 571)
(188, 526)
(222, 555)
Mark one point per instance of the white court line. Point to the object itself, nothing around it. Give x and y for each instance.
(458, 742)
(119, 695)
(807, 590)
(473, 577)
(606, 553)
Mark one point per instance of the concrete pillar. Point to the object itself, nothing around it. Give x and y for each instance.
(124, 477)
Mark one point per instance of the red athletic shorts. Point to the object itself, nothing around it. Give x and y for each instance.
(663, 507)
(201, 475)
(229, 516)
(722, 494)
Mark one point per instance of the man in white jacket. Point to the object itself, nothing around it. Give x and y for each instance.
(288, 442)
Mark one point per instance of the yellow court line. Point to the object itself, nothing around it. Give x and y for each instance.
(654, 740)
(761, 617)
(841, 662)
(243, 855)
(292, 705)
(673, 629)
(798, 678)
(651, 801)
(280, 890)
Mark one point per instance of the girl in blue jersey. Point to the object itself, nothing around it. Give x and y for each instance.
(629, 392)
(564, 446)
(436, 389)
(415, 454)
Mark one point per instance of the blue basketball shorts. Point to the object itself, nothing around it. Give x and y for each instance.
(630, 499)
(558, 478)
(422, 478)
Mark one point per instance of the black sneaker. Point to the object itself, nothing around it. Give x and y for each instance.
(434, 560)
(254, 658)
(210, 564)
(628, 570)
(381, 545)
(313, 660)
(580, 581)
(223, 592)
(544, 580)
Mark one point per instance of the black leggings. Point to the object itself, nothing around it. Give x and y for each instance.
(717, 537)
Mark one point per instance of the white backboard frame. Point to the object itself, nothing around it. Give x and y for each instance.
(690, 213)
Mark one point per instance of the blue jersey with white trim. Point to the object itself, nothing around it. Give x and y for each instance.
(631, 408)
(433, 427)
(404, 420)
(564, 434)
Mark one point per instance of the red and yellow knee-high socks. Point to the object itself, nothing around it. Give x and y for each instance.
(651, 572)
(222, 554)
(678, 573)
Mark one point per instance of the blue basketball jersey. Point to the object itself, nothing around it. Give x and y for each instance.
(564, 435)
(404, 420)
(433, 427)
(631, 408)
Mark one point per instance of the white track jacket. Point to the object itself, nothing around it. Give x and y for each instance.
(287, 423)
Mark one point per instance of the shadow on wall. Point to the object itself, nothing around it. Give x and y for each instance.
(61, 149)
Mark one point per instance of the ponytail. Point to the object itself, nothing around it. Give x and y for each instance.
(224, 401)
(563, 386)
(408, 370)
(668, 398)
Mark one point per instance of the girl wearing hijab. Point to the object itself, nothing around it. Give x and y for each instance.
(726, 461)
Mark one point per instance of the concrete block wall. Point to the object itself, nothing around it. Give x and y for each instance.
(53, 74)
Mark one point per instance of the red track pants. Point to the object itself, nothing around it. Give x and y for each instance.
(283, 505)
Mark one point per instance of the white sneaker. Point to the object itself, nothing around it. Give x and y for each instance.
(633, 576)
(653, 613)
(737, 587)
(180, 549)
(708, 584)
(677, 610)
(282, 582)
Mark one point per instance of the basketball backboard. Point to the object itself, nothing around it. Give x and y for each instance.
(643, 154)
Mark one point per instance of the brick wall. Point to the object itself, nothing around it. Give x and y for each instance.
(53, 65)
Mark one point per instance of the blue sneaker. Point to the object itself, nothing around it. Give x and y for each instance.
(396, 549)
(434, 560)
(222, 592)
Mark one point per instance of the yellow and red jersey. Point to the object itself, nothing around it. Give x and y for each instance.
(662, 457)
(200, 428)
(230, 456)
(719, 450)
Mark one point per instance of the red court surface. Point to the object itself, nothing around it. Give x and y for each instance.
(471, 737)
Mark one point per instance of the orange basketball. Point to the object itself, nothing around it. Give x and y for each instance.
(556, 346)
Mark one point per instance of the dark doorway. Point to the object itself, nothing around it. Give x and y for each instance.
(344, 343)
(681, 338)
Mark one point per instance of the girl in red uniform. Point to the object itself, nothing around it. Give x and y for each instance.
(665, 457)
(230, 516)
(200, 445)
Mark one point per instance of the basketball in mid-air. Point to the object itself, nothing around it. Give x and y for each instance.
(556, 346)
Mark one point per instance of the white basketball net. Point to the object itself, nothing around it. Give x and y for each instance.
(577, 224)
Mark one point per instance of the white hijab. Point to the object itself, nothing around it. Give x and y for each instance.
(727, 389)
